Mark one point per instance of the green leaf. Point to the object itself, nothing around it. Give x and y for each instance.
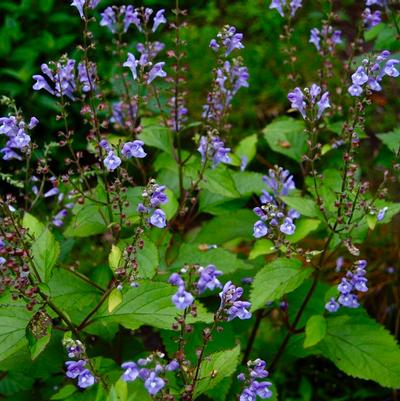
(148, 259)
(247, 148)
(362, 348)
(115, 257)
(38, 345)
(171, 207)
(219, 181)
(89, 219)
(216, 367)
(307, 207)
(303, 228)
(248, 182)
(372, 219)
(33, 225)
(156, 135)
(150, 304)
(114, 299)
(275, 280)
(286, 136)
(14, 320)
(223, 228)
(64, 392)
(315, 330)
(262, 247)
(45, 252)
(391, 140)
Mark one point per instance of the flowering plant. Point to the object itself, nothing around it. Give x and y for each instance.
(136, 261)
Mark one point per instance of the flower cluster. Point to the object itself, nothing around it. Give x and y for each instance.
(286, 6)
(63, 80)
(354, 281)
(124, 114)
(372, 18)
(272, 210)
(156, 70)
(149, 375)
(154, 196)
(255, 388)
(119, 19)
(80, 4)
(213, 148)
(231, 305)
(325, 39)
(310, 103)
(129, 150)
(78, 369)
(371, 72)
(15, 129)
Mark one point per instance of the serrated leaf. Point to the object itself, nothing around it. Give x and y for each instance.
(277, 279)
(215, 367)
(362, 348)
(219, 181)
(371, 221)
(64, 392)
(315, 330)
(114, 299)
(156, 135)
(391, 140)
(45, 252)
(33, 225)
(148, 259)
(286, 136)
(262, 247)
(305, 206)
(303, 228)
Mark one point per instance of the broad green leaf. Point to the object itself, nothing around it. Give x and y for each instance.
(371, 220)
(247, 149)
(114, 299)
(37, 345)
(115, 257)
(303, 228)
(148, 259)
(216, 367)
(286, 135)
(248, 183)
(45, 252)
(156, 135)
(33, 225)
(217, 204)
(119, 391)
(315, 330)
(171, 207)
(150, 304)
(14, 319)
(223, 228)
(391, 140)
(64, 392)
(277, 279)
(362, 348)
(307, 207)
(89, 219)
(262, 247)
(219, 181)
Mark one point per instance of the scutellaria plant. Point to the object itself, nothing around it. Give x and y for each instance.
(144, 252)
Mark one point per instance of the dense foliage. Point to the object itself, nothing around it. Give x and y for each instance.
(199, 201)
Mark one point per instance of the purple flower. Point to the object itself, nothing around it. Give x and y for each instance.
(374, 85)
(59, 217)
(230, 293)
(131, 63)
(390, 69)
(171, 366)
(75, 368)
(112, 161)
(258, 370)
(156, 71)
(51, 192)
(213, 149)
(86, 379)
(182, 299)
(355, 90)
(248, 395)
(176, 279)
(278, 6)
(323, 104)
(109, 19)
(332, 306)
(381, 213)
(158, 20)
(79, 4)
(314, 38)
(287, 227)
(359, 77)
(154, 383)
(230, 300)
(131, 16)
(158, 196)
(214, 45)
(262, 389)
(233, 41)
(105, 145)
(294, 6)
(208, 279)
(296, 97)
(131, 371)
(370, 18)
(87, 80)
(260, 229)
(33, 122)
(133, 149)
(349, 300)
(345, 286)
(158, 219)
(20, 141)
